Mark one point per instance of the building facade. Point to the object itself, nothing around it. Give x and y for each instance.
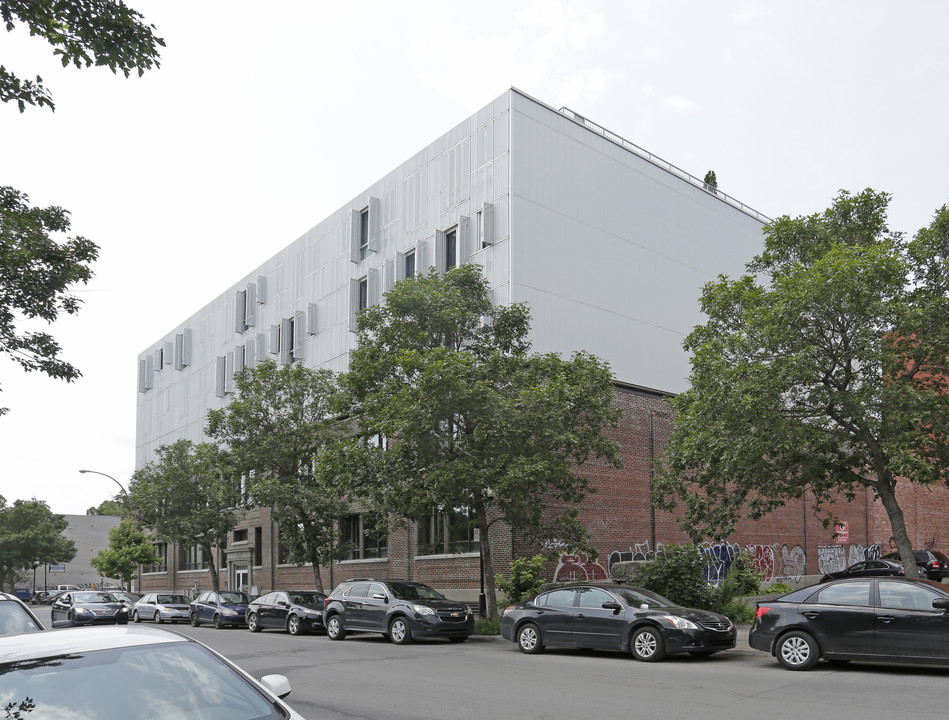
(608, 244)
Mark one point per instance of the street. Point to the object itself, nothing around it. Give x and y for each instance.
(368, 677)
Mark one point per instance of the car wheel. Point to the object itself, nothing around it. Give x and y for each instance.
(158, 617)
(294, 625)
(334, 628)
(399, 631)
(797, 651)
(648, 644)
(252, 623)
(217, 622)
(194, 620)
(528, 639)
(135, 617)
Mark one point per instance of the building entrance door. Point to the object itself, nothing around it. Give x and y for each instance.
(242, 578)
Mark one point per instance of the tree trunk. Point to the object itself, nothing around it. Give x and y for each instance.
(317, 575)
(487, 558)
(886, 489)
(215, 579)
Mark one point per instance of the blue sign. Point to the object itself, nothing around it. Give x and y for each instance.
(57, 568)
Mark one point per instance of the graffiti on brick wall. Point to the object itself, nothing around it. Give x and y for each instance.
(856, 553)
(578, 566)
(831, 558)
(772, 561)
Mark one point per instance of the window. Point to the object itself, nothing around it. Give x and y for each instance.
(363, 301)
(558, 598)
(594, 598)
(364, 234)
(161, 550)
(363, 537)
(258, 546)
(449, 532)
(240, 536)
(192, 558)
(451, 249)
(409, 269)
(846, 594)
(905, 596)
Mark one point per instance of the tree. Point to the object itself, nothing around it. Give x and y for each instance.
(30, 533)
(280, 430)
(128, 549)
(711, 182)
(36, 269)
(189, 495)
(114, 506)
(475, 424)
(822, 370)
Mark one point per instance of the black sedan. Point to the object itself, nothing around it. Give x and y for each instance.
(867, 568)
(296, 611)
(615, 617)
(89, 607)
(887, 619)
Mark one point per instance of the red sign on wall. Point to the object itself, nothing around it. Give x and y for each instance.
(843, 532)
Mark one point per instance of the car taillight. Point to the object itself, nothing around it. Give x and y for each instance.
(761, 611)
(935, 564)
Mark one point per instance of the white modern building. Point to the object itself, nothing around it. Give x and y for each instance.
(607, 243)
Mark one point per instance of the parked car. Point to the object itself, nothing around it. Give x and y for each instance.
(399, 609)
(16, 617)
(126, 598)
(220, 608)
(866, 568)
(120, 672)
(887, 619)
(615, 617)
(933, 562)
(88, 607)
(296, 611)
(162, 607)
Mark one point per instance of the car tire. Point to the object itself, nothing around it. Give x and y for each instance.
(135, 617)
(400, 632)
(528, 639)
(194, 620)
(797, 650)
(294, 625)
(252, 623)
(158, 619)
(647, 644)
(217, 622)
(334, 628)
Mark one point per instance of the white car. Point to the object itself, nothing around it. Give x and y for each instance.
(113, 673)
(16, 617)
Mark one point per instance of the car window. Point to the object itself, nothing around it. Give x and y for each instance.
(308, 599)
(358, 590)
(638, 598)
(148, 599)
(843, 594)
(377, 589)
(558, 598)
(203, 597)
(594, 597)
(905, 596)
(858, 566)
(233, 597)
(14, 619)
(277, 597)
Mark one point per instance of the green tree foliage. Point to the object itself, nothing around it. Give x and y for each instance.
(115, 507)
(36, 266)
(281, 432)
(189, 495)
(473, 419)
(30, 533)
(524, 582)
(35, 274)
(82, 33)
(128, 549)
(678, 573)
(822, 370)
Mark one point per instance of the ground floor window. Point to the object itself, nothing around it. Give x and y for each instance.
(192, 558)
(449, 532)
(161, 550)
(363, 536)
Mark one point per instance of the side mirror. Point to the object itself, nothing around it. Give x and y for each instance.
(941, 603)
(277, 684)
(614, 606)
(380, 596)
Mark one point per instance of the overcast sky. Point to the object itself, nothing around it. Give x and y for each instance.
(266, 117)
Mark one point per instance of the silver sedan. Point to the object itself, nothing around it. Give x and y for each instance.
(162, 607)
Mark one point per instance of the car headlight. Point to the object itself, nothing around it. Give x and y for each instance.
(123, 611)
(230, 612)
(680, 623)
(423, 610)
(83, 611)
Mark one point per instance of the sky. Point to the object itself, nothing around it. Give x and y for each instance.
(264, 118)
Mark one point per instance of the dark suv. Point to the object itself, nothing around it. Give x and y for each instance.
(399, 609)
(933, 562)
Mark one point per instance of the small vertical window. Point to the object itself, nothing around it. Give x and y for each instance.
(363, 302)
(451, 249)
(364, 234)
(409, 268)
(258, 546)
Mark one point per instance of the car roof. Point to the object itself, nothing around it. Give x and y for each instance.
(29, 646)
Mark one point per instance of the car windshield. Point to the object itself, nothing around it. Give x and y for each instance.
(637, 597)
(93, 597)
(15, 619)
(173, 681)
(173, 599)
(234, 597)
(414, 591)
(307, 599)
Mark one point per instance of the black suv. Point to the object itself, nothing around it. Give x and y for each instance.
(399, 609)
(933, 562)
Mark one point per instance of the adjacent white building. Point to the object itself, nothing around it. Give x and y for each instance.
(608, 244)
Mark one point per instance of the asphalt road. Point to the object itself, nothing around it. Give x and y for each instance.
(366, 677)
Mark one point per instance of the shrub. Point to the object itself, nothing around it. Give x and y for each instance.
(778, 588)
(678, 573)
(487, 626)
(525, 580)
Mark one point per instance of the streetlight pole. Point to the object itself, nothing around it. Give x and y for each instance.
(121, 486)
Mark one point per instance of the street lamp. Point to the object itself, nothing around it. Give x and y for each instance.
(96, 472)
